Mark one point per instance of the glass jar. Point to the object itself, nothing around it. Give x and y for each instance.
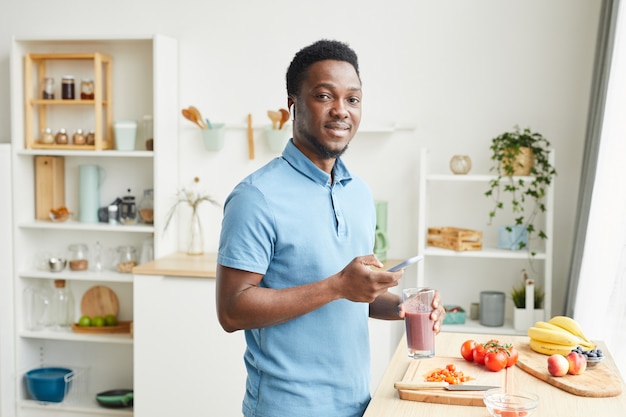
(61, 137)
(91, 138)
(128, 210)
(460, 164)
(47, 136)
(68, 87)
(48, 89)
(126, 259)
(79, 137)
(86, 90)
(61, 306)
(148, 127)
(146, 207)
(36, 307)
(78, 256)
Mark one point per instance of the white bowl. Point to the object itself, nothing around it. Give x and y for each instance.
(499, 402)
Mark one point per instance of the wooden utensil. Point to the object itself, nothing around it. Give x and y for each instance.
(198, 116)
(250, 137)
(275, 117)
(99, 301)
(479, 374)
(599, 381)
(187, 114)
(284, 117)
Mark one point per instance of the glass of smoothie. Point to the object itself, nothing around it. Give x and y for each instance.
(420, 336)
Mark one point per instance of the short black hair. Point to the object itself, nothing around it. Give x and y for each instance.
(319, 51)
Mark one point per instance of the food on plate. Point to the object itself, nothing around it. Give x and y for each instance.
(98, 321)
(449, 374)
(558, 365)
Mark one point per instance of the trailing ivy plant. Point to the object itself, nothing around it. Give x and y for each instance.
(504, 151)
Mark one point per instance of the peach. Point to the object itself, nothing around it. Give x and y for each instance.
(558, 365)
(577, 363)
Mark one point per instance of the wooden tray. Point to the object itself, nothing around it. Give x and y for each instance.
(599, 381)
(122, 327)
(418, 368)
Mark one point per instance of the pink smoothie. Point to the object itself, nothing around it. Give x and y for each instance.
(419, 331)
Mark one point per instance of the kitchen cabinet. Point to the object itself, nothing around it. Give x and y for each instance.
(446, 199)
(144, 81)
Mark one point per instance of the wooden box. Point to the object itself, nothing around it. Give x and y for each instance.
(455, 238)
(49, 185)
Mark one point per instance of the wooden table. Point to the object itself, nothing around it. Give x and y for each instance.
(553, 402)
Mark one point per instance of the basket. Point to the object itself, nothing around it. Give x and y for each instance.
(454, 315)
(522, 163)
(455, 238)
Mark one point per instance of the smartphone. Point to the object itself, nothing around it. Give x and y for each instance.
(406, 263)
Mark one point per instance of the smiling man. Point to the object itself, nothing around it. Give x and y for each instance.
(295, 255)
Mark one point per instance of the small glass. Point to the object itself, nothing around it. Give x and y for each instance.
(48, 89)
(68, 88)
(86, 90)
(420, 336)
(126, 259)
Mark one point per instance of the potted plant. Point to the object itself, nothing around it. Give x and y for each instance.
(517, 155)
(528, 301)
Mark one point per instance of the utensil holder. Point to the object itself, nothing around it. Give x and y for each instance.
(277, 138)
(213, 138)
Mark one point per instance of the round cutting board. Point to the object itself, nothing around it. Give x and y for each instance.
(99, 301)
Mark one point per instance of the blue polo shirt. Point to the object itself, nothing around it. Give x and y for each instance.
(289, 223)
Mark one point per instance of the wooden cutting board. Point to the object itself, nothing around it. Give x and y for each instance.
(482, 376)
(99, 301)
(599, 381)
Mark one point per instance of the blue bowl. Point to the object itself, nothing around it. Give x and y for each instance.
(49, 384)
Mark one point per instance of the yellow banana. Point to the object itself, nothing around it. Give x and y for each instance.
(546, 348)
(551, 336)
(554, 328)
(570, 325)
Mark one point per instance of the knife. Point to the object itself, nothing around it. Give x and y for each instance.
(441, 385)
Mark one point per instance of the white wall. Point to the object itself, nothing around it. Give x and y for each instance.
(461, 72)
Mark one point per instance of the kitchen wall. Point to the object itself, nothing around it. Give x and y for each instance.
(450, 74)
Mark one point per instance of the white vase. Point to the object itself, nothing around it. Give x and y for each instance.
(524, 318)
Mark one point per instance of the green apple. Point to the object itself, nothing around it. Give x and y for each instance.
(97, 321)
(110, 320)
(84, 321)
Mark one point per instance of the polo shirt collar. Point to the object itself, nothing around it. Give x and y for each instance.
(305, 166)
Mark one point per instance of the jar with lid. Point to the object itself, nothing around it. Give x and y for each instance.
(146, 206)
(61, 305)
(460, 164)
(79, 137)
(68, 87)
(48, 89)
(128, 210)
(86, 90)
(61, 137)
(78, 256)
(91, 138)
(47, 136)
(125, 259)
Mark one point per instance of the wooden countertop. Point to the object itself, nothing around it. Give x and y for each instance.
(553, 402)
(180, 265)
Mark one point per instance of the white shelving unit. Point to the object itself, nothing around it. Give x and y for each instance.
(459, 201)
(144, 81)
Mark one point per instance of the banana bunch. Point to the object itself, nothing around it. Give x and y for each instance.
(559, 335)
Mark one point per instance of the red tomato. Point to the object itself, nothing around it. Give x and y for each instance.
(495, 360)
(467, 350)
(479, 354)
(512, 356)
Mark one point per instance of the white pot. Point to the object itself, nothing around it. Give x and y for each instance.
(524, 318)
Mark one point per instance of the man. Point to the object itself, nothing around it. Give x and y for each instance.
(295, 263)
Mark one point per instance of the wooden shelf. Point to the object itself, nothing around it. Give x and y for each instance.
(36, 109)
